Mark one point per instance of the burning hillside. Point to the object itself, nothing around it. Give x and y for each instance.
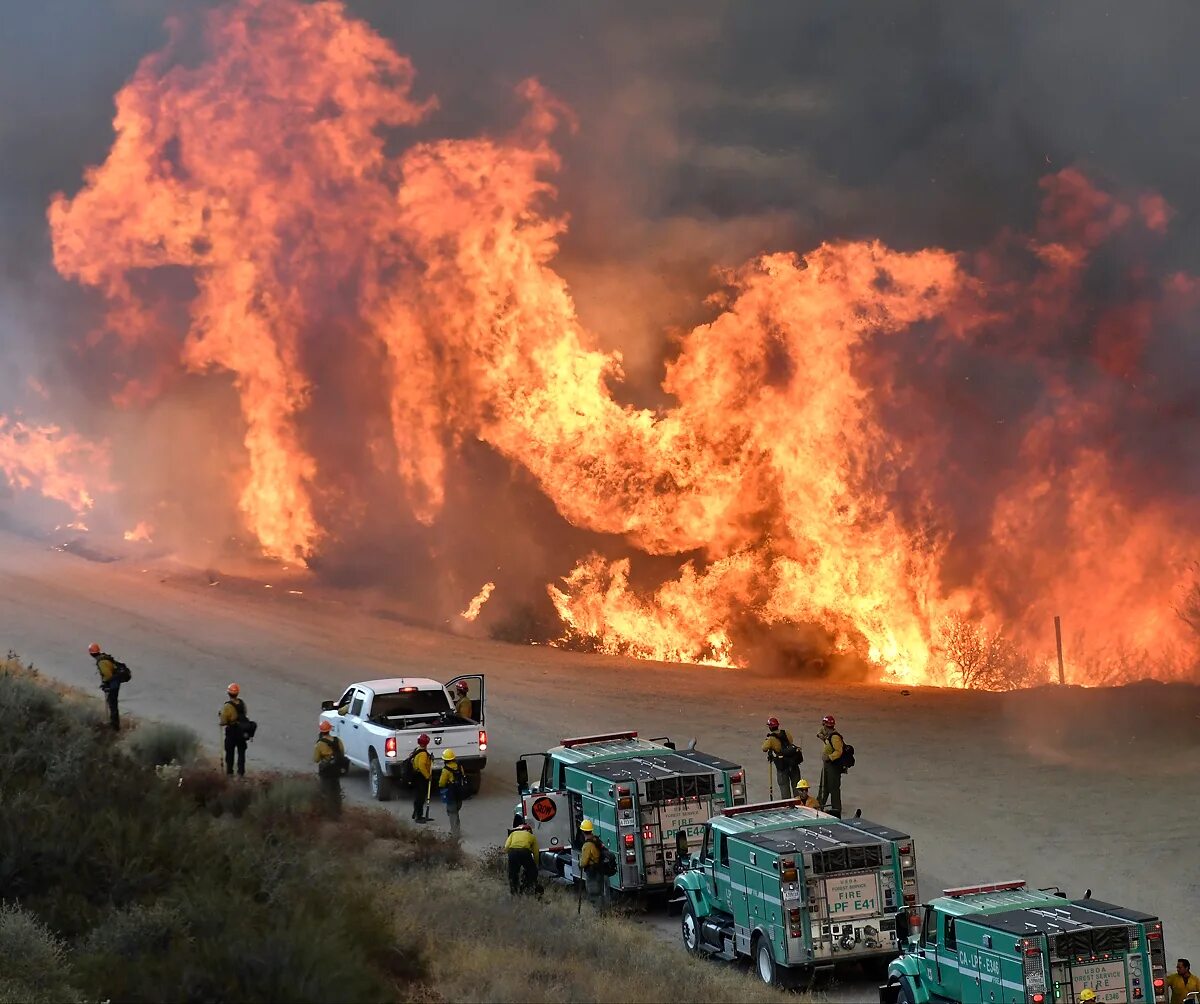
(864, 448)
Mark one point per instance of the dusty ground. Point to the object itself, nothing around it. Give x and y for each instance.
(1078, 788)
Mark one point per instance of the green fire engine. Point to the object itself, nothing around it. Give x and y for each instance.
(796, 890)
(638, 793)
(1007, 944)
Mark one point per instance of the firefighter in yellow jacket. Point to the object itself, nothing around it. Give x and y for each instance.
(831, 769)
(783, 754)
(106, 666)
(422, 764)
(522, 849)
(590, 863)
(330, 757)
(804, 795)
(232, 716)
(452, 782)
(464, 707)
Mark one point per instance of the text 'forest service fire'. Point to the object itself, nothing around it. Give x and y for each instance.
(832, 463)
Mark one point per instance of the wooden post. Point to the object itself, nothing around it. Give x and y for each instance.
(1058, 642)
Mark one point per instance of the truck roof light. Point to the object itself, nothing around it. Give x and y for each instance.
(737, 810)
(968, 890)
(407, 690)
(583, 740)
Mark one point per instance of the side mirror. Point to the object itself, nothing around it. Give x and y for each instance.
(691, 746)
(668, 744)
(681, 843)
(858, 813)
(1087, 894)
(327, 705)
(522, 775)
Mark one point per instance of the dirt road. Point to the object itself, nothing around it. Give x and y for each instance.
(1064, 786)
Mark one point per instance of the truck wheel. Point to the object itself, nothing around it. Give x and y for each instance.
(907, 995)
(764, 962)
(690, 928)
(381, 784)
(474, 783)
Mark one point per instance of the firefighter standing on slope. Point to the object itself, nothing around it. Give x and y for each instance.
(522, 849)
(464, 707)
(784, 754)
(590, 859)
(330, 757)
(106, 666)
(422, 764)
(451, 783)
(831, 769)
(233, 713)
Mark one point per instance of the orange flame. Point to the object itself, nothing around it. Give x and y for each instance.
(56, 464)
(477, 602)
(801, 475)
(141, 533)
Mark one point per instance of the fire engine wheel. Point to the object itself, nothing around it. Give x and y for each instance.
(690, 928)
(906, 995)
(764, 962)
(381, 784)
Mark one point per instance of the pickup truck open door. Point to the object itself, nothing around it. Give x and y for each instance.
(475, 691)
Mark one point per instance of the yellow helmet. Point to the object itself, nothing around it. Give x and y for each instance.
(586, 826)
(448, 755)
(802, 785)
(1087, 995)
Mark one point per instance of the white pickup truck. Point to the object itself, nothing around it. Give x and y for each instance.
(379, 721)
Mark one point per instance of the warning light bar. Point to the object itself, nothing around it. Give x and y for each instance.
(583, 740)
(968, 890)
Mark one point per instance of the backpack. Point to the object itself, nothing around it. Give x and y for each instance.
(408, 768)
(846, 760)
(453, 792)
(789, 752)
(336, 765)
(247, 727)
(608, 862)
(120, 673)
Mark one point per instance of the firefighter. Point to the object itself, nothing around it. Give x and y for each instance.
(804, 795)
(1182, 982)
(464, 707)
(330, 757)
(1087, 994)
(522, 849)
(106, 666)
(784, 754)
(422, 764)
(233, 714)
(451, 783)
(590, 863)
(831, 771)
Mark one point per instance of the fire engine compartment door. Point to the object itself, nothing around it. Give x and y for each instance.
(658, 825)
(1108, 978)
(549, 815)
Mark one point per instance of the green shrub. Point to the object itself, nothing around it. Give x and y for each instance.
(155, 743)
(35, 968)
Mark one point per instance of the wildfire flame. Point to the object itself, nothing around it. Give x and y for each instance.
(826, 462)
(142, 532)
(59, 465)
(477, 602)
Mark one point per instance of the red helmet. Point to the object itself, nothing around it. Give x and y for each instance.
(93, 649)
(461, 686)
(828, 720)
(772, 723)
(324, 726)
(422, 740)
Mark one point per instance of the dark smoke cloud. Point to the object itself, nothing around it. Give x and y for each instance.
(709, 132)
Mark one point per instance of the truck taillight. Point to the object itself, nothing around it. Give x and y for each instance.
(1038, 998)
(625, 803)
(787, 863)
(910, 897)
(482, 741)
(1159, 983)
(622, 790)
(389, 746)
(628, 839)
(737, 777)
(788, 875)
(906, 848)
